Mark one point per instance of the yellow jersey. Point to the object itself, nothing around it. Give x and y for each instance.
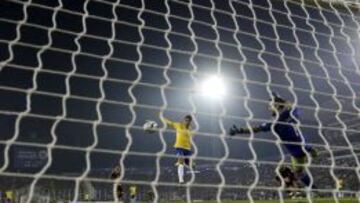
(133, 190)
(9, 194)
(183, 134)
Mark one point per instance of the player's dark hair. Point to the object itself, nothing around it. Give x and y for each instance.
(277, 99)
(188, 117)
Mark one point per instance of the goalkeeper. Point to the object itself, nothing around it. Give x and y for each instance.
(287, 132)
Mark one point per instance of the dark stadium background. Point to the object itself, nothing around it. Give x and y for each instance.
(84, 91)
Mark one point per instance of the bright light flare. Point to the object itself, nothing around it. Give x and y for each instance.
(213, 87)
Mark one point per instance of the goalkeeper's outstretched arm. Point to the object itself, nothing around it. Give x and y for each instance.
(255, 129)
(235, 130)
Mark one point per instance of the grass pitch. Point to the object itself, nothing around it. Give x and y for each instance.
(325, 200)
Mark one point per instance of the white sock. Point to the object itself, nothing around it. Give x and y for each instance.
(181, 173)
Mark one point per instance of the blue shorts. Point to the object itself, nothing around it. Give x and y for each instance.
(185, 153)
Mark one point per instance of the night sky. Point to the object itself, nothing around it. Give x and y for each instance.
(79, 54)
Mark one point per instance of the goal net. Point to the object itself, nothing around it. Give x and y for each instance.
(79, 78)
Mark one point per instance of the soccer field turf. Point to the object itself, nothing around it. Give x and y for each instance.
(277, 201)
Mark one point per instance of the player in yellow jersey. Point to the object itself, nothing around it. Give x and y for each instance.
(182, 143)
(340, 187)
(133, 193)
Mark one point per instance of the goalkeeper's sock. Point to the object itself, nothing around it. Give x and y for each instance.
(181, 173)
(305, 179)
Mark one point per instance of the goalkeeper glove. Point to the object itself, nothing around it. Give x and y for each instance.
(234, 130)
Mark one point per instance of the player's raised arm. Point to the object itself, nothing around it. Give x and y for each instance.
(167, 121)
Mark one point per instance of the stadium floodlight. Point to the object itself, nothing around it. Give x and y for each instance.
(213, 87)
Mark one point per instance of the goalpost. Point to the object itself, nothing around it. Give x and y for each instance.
(79, 78)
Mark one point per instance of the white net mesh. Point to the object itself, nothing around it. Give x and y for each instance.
(78, 79)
